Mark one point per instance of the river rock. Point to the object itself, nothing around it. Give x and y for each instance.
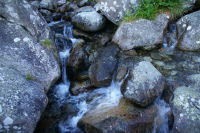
(100, 72)
(189, 32)
(80, 87)
(144, 84)
(186, 106)
(115, 10)
(76, 61)
(27, 67)
(87, 19)
(141, 33)
(124, 118)
(48, 4)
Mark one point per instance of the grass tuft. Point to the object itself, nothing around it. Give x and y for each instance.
(29, 77)
(149, 9)
(47, 43)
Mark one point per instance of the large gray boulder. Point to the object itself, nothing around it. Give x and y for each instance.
(27, 68)
(87, 19)
(115, 10)
(144, 84)
(189, 32)
(186, 106)
(141, 33)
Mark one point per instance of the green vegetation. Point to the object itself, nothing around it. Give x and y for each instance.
(149, 9)
(29, 77)
(47, 43)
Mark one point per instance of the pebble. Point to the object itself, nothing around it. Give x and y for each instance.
(17, 39)
(8, 121)
(159, 63)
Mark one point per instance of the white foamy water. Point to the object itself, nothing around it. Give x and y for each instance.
(64, 54)
(161, 118)
(112, 95)
(107, 97)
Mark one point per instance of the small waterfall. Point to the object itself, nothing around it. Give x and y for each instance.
(161, 120)
(99, 98)
(170, 41)
(106, 97)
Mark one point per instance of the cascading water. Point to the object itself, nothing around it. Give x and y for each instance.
(102, 97)
(161, 120)
(170, 41)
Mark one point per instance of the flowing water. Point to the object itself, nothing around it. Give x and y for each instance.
(99, 98)
(68, 109)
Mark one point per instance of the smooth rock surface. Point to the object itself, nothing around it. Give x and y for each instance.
(124, 118)
(87, 19)
(141, 33)
(144, 84)
(189, 32)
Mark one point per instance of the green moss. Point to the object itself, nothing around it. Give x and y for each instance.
(29, 77)
(149, 9)
(47, 43)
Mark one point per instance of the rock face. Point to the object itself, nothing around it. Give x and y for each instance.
(189, 30)
(87, 19)
(144, 84)
(185, 106)
(141, 33)
(101, 71)
(124, 118)
(115, 10)
(27, 68)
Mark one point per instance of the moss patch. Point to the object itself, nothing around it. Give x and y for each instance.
(149, 9)
(29, 77)
(47, 43)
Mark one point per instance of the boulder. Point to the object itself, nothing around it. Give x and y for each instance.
(28, 68)
(144, 84)
(141, 33)
(186, 106)
(100, 72)
(115, 10)
(124, 118)
(87, 19)
(76, 61)
(48, 4)
(188, 29)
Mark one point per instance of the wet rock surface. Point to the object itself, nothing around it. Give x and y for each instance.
(137, 33)
(100, 72)
(124, 118)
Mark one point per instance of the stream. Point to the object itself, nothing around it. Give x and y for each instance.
(65, 110)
